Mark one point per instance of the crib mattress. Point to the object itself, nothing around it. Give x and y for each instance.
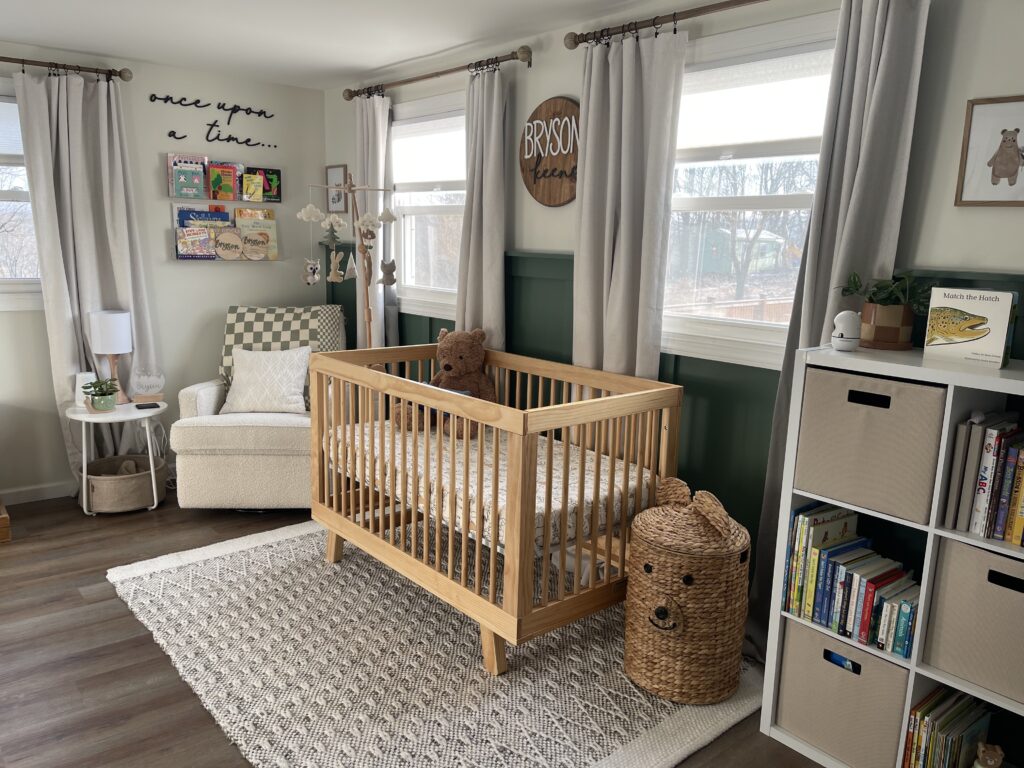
(462, 495)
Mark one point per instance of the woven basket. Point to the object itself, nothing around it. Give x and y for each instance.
(686, 598)
(110, 492)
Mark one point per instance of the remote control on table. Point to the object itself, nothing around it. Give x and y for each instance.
(144, 406)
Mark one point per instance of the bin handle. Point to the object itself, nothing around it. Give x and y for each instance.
(872, 399)
(840, 661)
(1005, 580)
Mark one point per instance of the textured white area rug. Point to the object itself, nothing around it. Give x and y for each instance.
(304, 664)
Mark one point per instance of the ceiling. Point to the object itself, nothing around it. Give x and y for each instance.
(312, 43)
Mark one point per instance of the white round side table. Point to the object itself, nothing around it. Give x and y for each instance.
(120, 414)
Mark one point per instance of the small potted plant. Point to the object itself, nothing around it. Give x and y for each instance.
(887, 318)
(101, 394)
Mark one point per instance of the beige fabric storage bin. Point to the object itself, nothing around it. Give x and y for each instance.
(110, 492)
(854, 715)
(870, 442)
(976, 619)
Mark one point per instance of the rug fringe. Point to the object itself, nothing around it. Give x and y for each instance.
(178, 559)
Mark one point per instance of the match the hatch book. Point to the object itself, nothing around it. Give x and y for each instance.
(970, 326)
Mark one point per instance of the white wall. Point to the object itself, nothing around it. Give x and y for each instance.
(556, 71)
(189, 299)
(970, 52)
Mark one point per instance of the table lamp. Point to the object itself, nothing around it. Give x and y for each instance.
(111, 335)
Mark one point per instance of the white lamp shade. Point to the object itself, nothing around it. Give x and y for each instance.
(110, 332)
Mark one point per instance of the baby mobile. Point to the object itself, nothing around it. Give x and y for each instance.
(334, 225)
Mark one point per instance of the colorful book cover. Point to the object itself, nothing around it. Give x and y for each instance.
(883, 597)
(271, 182)
(254, 213)
(970, 326)
(986, 472)
(1015, 513)
(826, 570)
(189, 182)
(907, 607)
(190, 162)
(841, 599)
(809, 514)
(201, 218)
(195, 243)
(223, 181)
(252, 188)
(1006, 491)
(841, 526)
(871, 587)
(177, 208)
(1004, 440)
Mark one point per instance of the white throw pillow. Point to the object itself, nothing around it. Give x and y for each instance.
(268, 382)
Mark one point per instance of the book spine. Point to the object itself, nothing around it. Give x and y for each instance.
(844, 616)
(1013, 516)
(883, 625)
(1005, 493)
(819, 587)
(1003, 443)
(867, 612)
(786, 577)
(798, 549)
(983, 486)
(824, 615)
(902, 627)
(807, 609)
(890, 635)
(858, 614)
(837, 598)
(909, 739)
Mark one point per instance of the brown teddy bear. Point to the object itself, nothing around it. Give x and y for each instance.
(989, 756)
(1007, 160)
(460, 357)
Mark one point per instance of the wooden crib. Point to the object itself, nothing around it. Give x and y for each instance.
(522, 524)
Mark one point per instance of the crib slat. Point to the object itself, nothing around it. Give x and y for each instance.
(392, 469)
(332, 448)
(415, 510)
(563, 525)
(426, 487)
(595, 503)
(439, 491)
(350, 453)
(404, 505)
(324, 413)
(466, 427)
(546, 546)
(508, 390)
(626, 515)
(583, 432)
(477, 564)
(652, 477)
(609, 514)
(453, 491)
(641, 456)
(492, 587)
(379, 456)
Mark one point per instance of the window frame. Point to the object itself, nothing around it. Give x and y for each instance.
(417, 299)
(745, 342)
(23, 294)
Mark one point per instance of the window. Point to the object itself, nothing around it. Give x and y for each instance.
(428, 158)
(19, 262)
(745, 170)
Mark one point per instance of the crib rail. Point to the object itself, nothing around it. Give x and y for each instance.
(515, 512)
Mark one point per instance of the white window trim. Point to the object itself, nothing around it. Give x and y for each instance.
(415, 299)
(20, 295)
(759, 345)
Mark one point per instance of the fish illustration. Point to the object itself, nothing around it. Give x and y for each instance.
(947, 325)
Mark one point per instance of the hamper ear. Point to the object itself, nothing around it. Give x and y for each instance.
(442, 334)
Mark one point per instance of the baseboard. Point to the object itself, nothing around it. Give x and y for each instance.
(27, 493)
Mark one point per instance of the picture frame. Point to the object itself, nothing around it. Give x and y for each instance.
(991, 159)
(336, 175)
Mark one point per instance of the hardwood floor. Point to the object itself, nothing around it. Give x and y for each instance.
(82, 683)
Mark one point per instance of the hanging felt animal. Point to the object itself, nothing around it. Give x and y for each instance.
(387, 269)
(311, 274)
(336, 275)
(350, 272)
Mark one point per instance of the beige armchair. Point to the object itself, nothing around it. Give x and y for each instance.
(250, 460)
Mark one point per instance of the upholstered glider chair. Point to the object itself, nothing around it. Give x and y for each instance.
(251, 460)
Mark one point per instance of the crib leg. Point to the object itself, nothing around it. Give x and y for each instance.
(335, 544)
(494, 652)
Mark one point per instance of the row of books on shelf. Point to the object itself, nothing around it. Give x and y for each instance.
(944, 730)
(835, 579)
(986, 483)
(211, 232)
(196, 177)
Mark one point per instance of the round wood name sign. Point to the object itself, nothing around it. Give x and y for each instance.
(549, 151)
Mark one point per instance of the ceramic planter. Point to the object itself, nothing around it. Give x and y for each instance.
(104, 402)
(886, 327)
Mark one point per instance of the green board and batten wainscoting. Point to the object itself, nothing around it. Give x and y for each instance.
(727, 409)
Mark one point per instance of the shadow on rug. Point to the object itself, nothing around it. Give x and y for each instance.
(304, 664)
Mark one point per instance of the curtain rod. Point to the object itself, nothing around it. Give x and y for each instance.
(574, 39)
(524, 53)
(125, 73)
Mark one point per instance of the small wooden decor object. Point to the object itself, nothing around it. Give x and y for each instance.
(991, 162)
(886, 327)
(5, 524)
(549, 151)
(686, 598)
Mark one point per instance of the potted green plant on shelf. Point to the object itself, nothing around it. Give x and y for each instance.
(102, 394)
(887, 318)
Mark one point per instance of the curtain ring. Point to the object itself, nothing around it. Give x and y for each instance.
(657, 27)
(675, 24)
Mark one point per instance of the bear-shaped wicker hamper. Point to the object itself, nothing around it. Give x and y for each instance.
(686, 598)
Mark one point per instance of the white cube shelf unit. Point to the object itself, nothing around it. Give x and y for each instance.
(868, 728)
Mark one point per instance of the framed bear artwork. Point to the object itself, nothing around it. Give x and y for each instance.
(992, 155)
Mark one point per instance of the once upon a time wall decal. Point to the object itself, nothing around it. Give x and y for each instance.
(214, 129)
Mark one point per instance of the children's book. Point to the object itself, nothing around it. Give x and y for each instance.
(986, 474)
(223, 181)
(254, 213)
(970, 326)
(195, 243)
(228, 244)
(271, 182)
(201, 218)
(826, 572)
(956, 473)
(820, 536)
(1006, 491)
(252, 188)
(259, 238)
